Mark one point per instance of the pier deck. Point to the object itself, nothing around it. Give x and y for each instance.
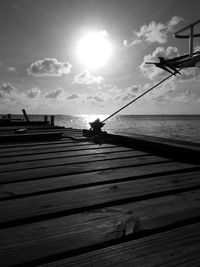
(71, 202)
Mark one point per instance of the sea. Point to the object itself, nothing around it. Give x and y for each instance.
(178, 127)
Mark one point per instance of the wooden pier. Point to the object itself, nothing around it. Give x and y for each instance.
(72, 202)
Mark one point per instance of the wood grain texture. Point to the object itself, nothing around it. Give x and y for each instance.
(22, 175)
(53, 149)
(178, 247)
(87, 179)
(61, 154)
(69, 233)
(40, 205)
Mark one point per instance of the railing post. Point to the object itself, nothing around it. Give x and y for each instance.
(25, 115)
(45, 118)
(52, 120)
(9, 116)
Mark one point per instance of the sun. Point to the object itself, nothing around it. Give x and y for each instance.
(94, 49)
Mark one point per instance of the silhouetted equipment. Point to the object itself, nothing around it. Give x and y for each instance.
(172, 65)
(96, 126)
(192, 59)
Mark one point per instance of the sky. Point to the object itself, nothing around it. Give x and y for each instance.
(51, 63)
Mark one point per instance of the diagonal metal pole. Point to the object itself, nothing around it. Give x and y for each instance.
(135, 99)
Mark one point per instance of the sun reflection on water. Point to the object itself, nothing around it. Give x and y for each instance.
(87, 118)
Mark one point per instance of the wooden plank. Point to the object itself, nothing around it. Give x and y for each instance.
(39, 126)
(69, 160)
(23, 175)
(33, 130)
(177, 247)
(89, 179)
(40, 146)
(182, 152)
(158, 139)
(35, 206)
(71, 233)
(66, 147)
(71, 153)
(55, 135)
(21, 145)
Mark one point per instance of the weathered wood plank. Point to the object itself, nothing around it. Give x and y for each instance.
(177, 247)
(70, 233)
(69, 160)
(38, 127)
(23, 175)
(40, 146)
(15, 127)
(65, 147)
(20, 146)
(55, 135)
(86, 179)
(71, 153)
(28, 207)
(37, 130)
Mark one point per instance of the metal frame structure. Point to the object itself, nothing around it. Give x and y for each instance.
(191, 35)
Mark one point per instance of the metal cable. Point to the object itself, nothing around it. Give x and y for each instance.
(135, 99)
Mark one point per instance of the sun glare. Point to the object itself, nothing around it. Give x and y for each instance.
(94, 50)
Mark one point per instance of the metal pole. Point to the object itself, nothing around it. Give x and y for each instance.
(191, 42)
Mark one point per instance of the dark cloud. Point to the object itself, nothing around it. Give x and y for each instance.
(55, 93)
(134, 89)
(95, 98)
(33, 93)
(87, 78)
(126, 94)
(2, 96)
(49, 67)
(72, 96)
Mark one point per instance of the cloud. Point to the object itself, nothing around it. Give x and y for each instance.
(129, 93)
(49, 67)
(72, 96)
(164, 93)
(12, 69)
(6, 89)
(154, 32)
(187, 96)
(133, 42)
(33, 93)
(55, 93)
(87, 78)
(126, 94)
(95, 98)
(150, 70)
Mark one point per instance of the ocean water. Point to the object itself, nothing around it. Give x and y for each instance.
(179, 127)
